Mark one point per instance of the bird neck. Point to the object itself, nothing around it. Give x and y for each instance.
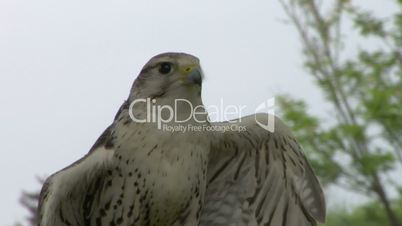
(169, 110)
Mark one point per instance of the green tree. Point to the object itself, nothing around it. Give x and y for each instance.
(363, 90)
(367, 215)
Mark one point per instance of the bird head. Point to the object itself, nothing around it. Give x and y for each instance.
(173, 75)
(167, 78)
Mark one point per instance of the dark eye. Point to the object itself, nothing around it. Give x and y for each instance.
(165, 68)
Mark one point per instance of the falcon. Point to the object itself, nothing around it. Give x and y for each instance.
(139, 174)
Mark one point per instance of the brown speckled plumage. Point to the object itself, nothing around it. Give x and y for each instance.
(136, 174)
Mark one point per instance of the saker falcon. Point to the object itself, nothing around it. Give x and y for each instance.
(139, 174)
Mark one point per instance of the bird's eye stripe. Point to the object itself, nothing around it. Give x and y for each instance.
(149, 67)
(146, 69)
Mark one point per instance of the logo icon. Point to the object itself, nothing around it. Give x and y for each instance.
(269, 107)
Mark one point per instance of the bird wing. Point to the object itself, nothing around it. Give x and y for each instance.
(66, 198)
(257, 177)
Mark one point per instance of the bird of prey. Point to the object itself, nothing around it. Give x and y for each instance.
(139, 174)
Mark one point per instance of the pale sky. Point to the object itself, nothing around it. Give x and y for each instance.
(66, 66)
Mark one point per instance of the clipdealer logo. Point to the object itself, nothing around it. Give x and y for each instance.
(166, 116)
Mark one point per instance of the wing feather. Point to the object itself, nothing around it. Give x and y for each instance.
(65, 197)
(260, 178)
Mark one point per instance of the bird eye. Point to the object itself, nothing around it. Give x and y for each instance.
(165, 68)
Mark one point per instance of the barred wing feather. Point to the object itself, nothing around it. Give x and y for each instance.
(258, 178)
(66, 197)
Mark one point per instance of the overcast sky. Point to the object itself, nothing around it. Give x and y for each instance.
(66, 66)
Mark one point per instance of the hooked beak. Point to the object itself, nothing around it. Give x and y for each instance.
(193, 75)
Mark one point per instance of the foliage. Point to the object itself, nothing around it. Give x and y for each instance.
(29, 201)
(367, 215)
(362, 142)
